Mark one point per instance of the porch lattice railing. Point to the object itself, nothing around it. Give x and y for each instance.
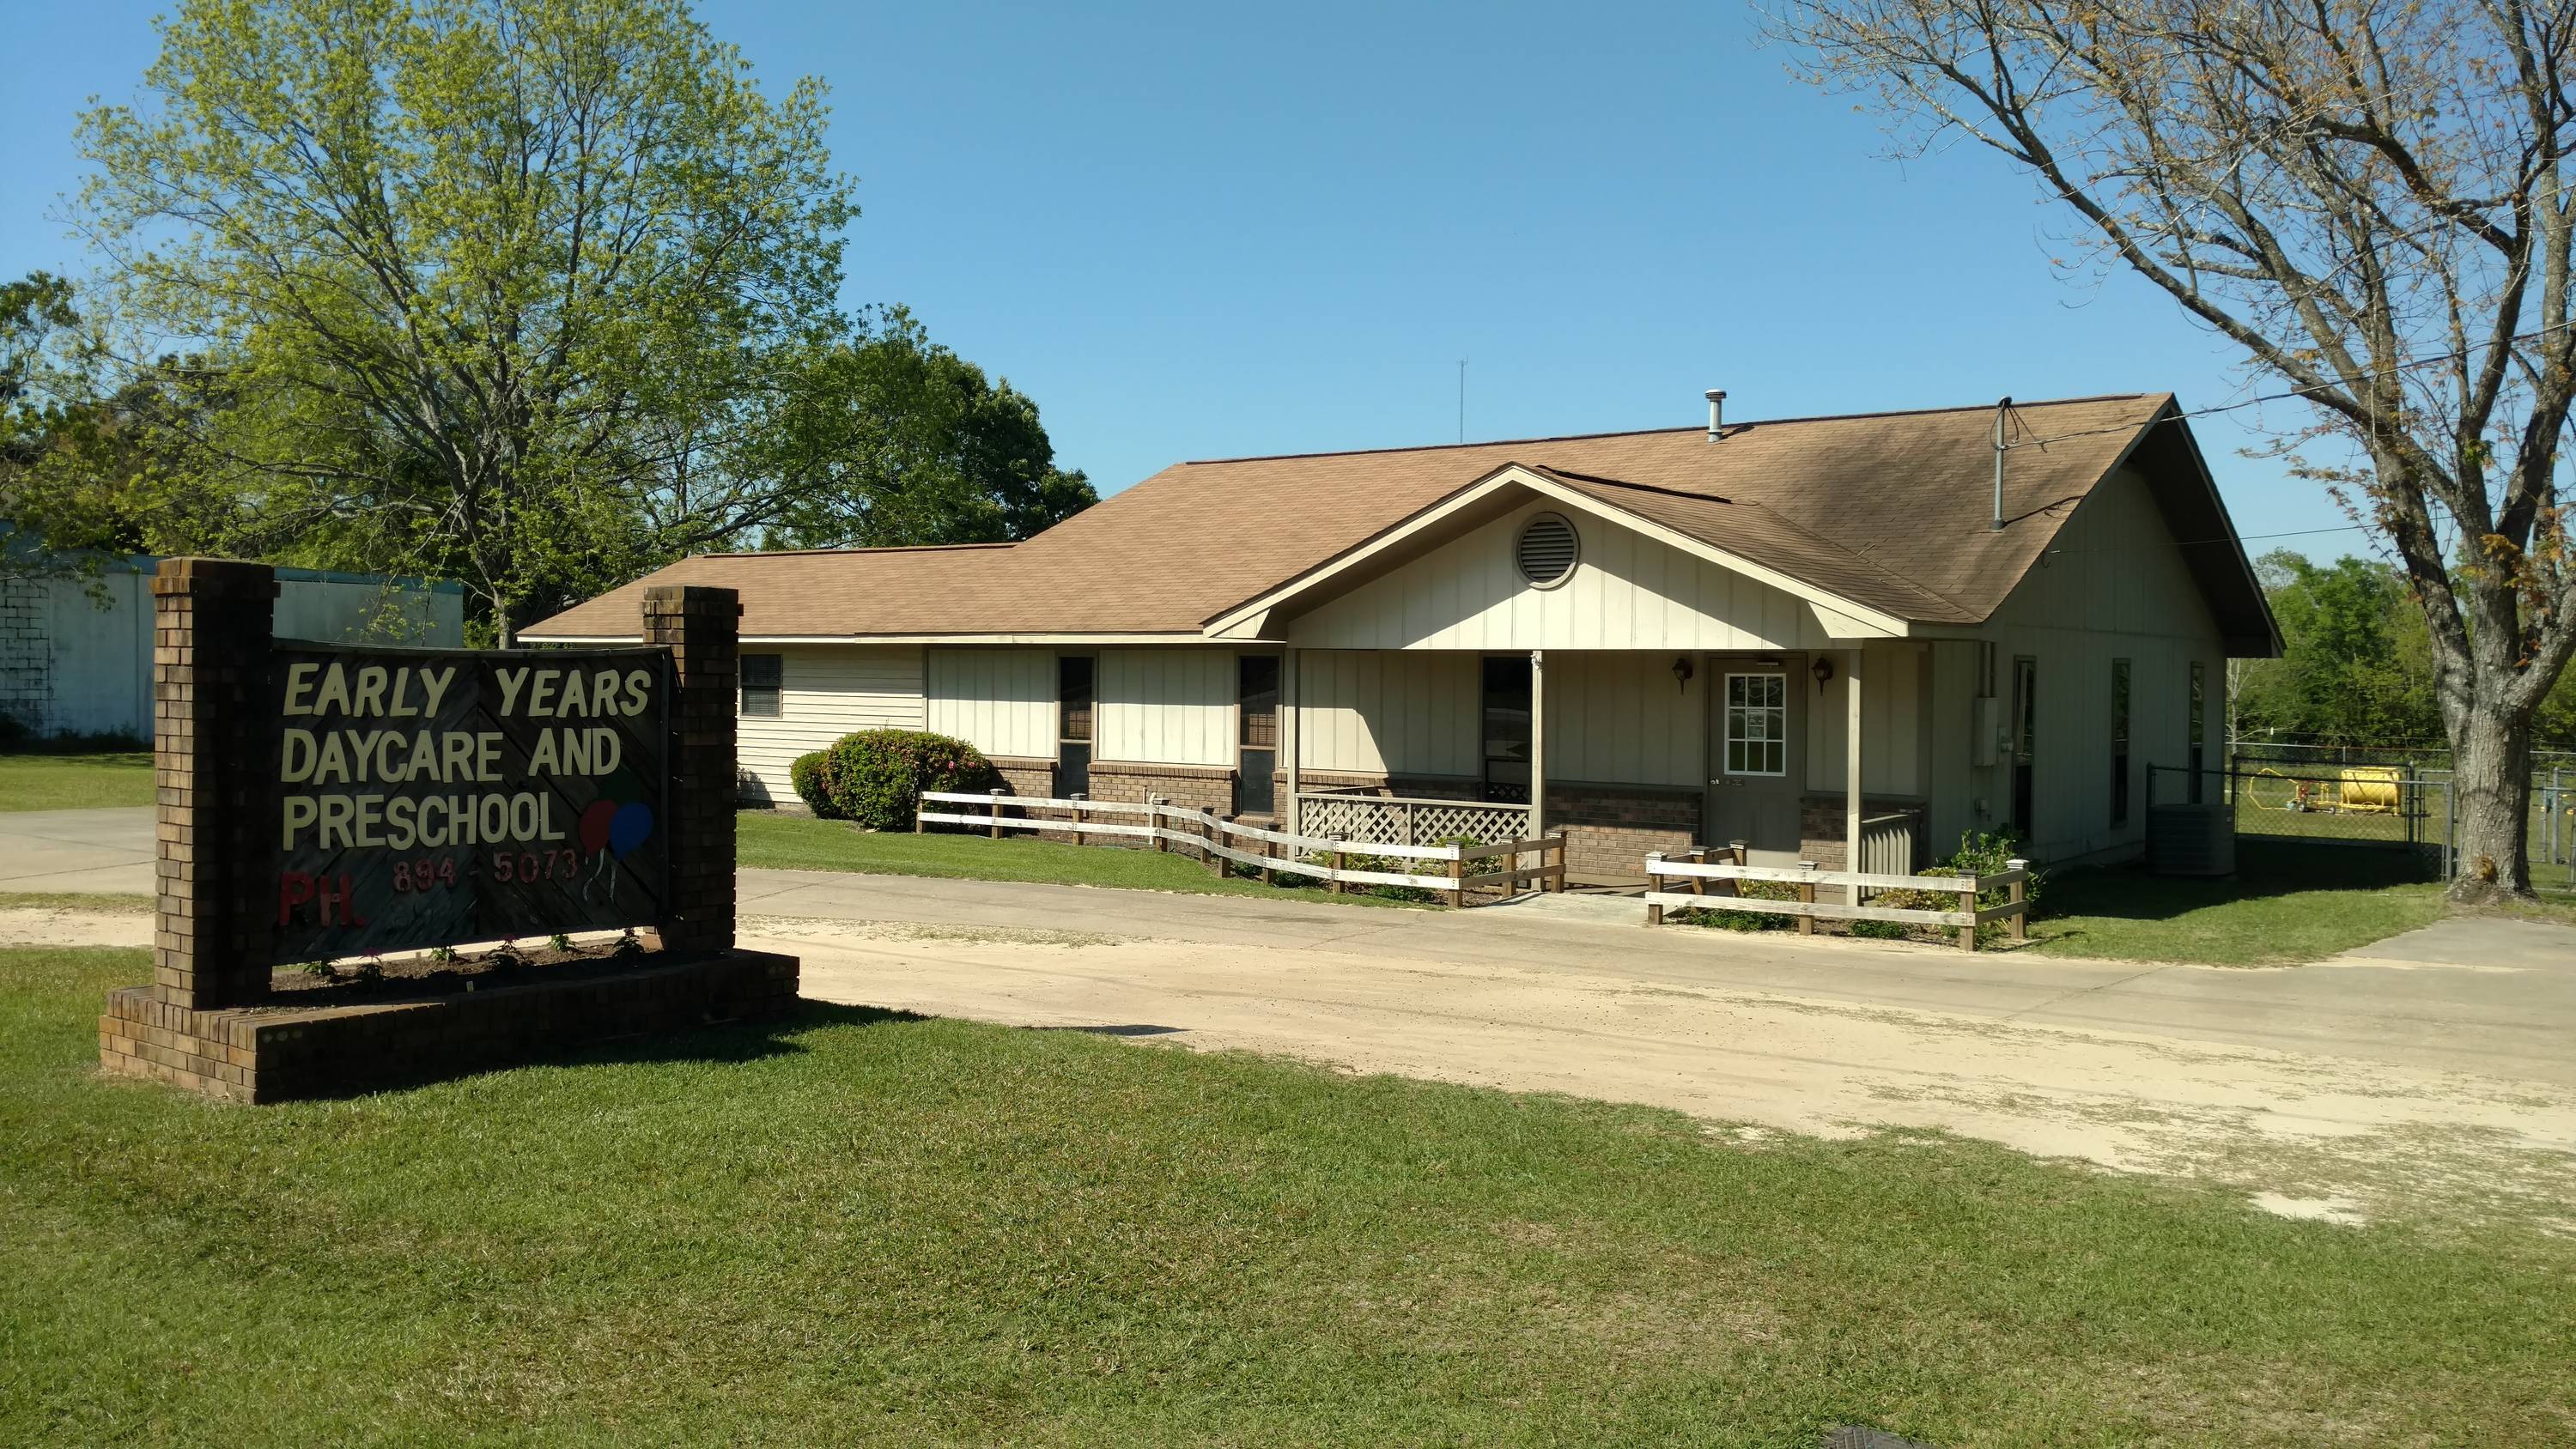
(1406, 820)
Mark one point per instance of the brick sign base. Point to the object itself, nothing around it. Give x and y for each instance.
(209, 1021)
(276, 1054)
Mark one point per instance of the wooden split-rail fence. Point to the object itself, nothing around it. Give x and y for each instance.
(1452, 869)
(1711, 879)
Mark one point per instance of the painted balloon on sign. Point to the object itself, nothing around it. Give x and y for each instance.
(631, 827)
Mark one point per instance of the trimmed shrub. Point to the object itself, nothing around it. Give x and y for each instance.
(806, 775)
(876, 777)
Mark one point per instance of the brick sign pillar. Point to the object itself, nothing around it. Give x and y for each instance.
(702, 628)
(212, 622)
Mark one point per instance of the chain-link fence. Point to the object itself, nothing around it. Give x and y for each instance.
(2553, 787)
(2391, 807)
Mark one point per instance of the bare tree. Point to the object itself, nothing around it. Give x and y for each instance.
(2372, 199)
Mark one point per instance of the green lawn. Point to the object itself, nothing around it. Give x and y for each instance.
(75, 781)
(2286, 903)
(798, 842)
(858, 1226)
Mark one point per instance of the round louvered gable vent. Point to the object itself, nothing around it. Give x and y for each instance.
(1547, 550)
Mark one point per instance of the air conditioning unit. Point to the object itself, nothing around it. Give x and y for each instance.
(1986, 731)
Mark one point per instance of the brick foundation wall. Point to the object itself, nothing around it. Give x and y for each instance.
(1192, 787)
(1610, 829)
(1822, 834)
(1026, 776)
(274, 1055)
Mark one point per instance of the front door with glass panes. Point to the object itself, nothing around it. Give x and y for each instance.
(1756, 754)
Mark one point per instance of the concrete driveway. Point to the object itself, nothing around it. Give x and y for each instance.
(95, 852)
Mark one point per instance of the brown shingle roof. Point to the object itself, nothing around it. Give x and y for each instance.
(1887, 509)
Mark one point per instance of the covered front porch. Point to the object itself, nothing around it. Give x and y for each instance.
(1626, 752)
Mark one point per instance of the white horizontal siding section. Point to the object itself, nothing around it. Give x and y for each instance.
(826, 692)
(1622, 719)
(1166, 706)
(1384, 712)
(1001, 701)
(1627, 592)
(1891, 721)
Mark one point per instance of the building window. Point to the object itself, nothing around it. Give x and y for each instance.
(1073, 705)
(1073, 697)
(2025, 747)
(2119, 742)
(1256, 696)
(2198, 743)
(1507, 697)
(1757, 724)
(761, 679)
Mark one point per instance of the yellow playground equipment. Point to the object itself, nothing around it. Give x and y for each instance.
(2354, 790)
(2368, 791)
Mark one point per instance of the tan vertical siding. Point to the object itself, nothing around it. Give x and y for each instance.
(1621, 719)
(1374, 711)
(2114, 586)
(1001, 701)
(1891, 718)
(1167, 706)
(824, 693)
(1627, 592)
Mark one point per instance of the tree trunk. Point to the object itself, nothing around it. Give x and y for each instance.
(505, 630)
(2491, 774)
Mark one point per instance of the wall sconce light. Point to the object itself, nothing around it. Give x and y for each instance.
(1824, 672)
(1682, 672)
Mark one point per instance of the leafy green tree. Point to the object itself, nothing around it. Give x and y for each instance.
(2353, 669)
(893, 439)
(491, 287)
(83, 473)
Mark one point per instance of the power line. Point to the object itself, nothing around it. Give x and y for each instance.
(2240, 538)
(2294, 393)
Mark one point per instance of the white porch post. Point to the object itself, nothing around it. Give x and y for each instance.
(1289, 733)
(1851, 771)
(1538, 744)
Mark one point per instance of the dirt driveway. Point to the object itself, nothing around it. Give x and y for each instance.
(2346, 1138)
(2426, 1075)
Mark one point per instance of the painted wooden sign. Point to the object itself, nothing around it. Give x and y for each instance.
(431, 797)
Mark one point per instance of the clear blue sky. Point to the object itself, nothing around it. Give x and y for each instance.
(1190, 233)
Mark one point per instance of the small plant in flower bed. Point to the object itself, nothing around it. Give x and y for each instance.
(1979, 851)
(443, 955)
(1726, 920)
(371, 969)
(321, 971)
(507, 954)
(628, 948)
(559, 942)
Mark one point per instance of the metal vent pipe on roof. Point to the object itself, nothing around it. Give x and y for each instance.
(1716, 412)
(2003, 408)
